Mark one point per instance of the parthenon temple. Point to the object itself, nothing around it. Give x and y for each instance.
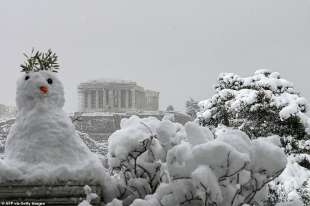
(116, 96)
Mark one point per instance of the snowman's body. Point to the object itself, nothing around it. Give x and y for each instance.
(45, 136)
(42, 132)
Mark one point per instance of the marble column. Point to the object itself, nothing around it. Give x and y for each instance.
(81, 100)
(97, 100)
(133, 102)
(100, 102)
(86, 101)
(89, 100)
(126, 98)
(119, 98)
(104, 99)
(111, 99)
(129, 99)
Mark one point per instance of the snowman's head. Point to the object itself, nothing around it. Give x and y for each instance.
(39, 87)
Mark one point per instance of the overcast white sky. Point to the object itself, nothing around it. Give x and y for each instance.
(176, 47)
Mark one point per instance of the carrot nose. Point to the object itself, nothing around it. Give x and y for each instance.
(44, 89)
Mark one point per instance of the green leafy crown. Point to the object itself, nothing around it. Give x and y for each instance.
(38, 61)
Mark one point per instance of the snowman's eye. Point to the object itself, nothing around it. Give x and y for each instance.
(49, 80)
(27, 77)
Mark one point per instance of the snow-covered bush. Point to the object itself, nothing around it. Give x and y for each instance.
(164, 163)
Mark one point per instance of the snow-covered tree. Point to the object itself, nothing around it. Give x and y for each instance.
(192, 108)
(263, 105)
(161, 163)
(260, 105)
(170, 108)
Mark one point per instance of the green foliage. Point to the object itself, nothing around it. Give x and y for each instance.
(38, 61)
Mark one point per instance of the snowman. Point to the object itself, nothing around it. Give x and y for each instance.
(43, 145)
(43, 133)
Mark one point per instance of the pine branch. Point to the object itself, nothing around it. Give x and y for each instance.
(40, 61)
